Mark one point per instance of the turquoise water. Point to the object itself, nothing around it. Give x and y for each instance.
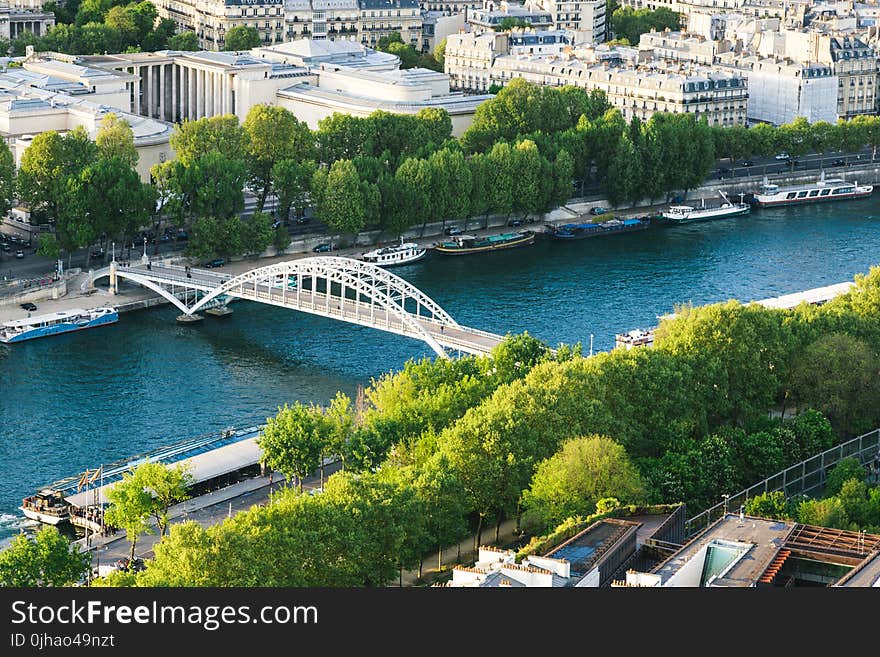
(75, 401)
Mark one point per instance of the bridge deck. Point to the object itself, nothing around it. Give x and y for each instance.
(348, 309)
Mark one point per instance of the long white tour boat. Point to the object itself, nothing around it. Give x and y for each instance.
(399, 254)
(64, 321)
(833, 189)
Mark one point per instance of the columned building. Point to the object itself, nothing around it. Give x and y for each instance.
(15, 22)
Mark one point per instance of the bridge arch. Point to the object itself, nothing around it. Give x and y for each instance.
(385, 290)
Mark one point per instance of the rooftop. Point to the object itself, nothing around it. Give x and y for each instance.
(734, 552)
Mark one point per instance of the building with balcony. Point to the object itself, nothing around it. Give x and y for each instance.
(585, 19)
(476, 62)
(379, 18)
(492, 13)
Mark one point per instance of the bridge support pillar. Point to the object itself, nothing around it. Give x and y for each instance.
(195, 318)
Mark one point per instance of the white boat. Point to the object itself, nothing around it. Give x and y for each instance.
(399, 254)
(64, 321)
(634, 338)
(833, 189)
(686, 214)
(48, 506)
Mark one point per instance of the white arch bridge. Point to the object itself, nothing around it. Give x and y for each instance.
(340, 288)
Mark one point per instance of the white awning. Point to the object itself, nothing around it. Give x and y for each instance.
(202, 467)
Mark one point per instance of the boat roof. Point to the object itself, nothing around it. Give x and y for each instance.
(828, 182)
(29, 321)
(406, 246)
(681, 208)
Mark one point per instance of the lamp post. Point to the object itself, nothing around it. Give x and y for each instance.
(725, 497)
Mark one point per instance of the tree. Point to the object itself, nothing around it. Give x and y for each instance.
(116, 139)
(257, 234)
(184, 41)
(48, 246)
(440, 53)
(570, 482)
(222, 134)
(838, 376)
(242, 37)
(294, 441)
(112, 197)
(628, 23)
(624, 174)
(272, 135)
(291, 181)
(769, 505)
(166, 485)
(45, 166)
(46, 559)
(213, 186)
(340, 199)
(843, 471)
(7, 178)
(130, 507)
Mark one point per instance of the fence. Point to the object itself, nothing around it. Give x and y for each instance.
(797, 479)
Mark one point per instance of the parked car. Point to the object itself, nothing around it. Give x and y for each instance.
(783, 156)
(453, 230)
(597, 211)
(19, 254)
(6, 248)
(97, 254)
(747, 163)
(29, 306)
(839, 162)
(216, 262)
(323, 248)
(514, 222)
(724, 171)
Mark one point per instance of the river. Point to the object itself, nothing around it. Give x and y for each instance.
(76, 401)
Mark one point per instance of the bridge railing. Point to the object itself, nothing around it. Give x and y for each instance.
(800, 478)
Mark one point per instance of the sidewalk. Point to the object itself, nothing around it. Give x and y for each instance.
(451, 556)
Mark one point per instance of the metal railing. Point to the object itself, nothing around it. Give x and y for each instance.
(801, 478)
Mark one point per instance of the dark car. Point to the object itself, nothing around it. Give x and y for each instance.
(453, 230)
(323, 248)
(29, 306)
(747, 163)
(216, 262)
(839, 162)
(6, 248)
(724, 171)
(514, 222)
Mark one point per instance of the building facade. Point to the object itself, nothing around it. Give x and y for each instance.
(476, 62)
(15, 22)
(586, 19)
(279, 21)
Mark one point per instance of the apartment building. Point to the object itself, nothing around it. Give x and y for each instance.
(586, 19)
(475, 62)
(279, 21)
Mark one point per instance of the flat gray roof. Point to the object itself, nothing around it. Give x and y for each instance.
(766, 537)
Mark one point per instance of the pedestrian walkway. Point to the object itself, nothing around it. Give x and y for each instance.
(461, 553)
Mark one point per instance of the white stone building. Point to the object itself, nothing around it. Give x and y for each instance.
(586, 19)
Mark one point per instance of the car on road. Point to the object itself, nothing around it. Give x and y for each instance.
(597, 211)
(514, 222)
(6, 248)
(783, 156)
(839, 162)
(19, 254)
(323, 248)
(724, 171)
(747, 163)
(29, 306)
(216, 262)
(453, 230)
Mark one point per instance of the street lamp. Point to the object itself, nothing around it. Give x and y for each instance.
(725, 497)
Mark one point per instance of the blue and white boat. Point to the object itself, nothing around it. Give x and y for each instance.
(64, 321)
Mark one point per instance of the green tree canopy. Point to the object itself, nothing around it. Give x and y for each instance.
(571, 481)
(242, 37)
(46, 559)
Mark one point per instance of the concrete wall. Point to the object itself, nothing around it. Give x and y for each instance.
(35, 294)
